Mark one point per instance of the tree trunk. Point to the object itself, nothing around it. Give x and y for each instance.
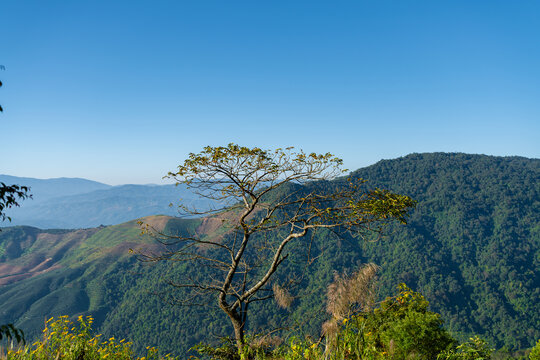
(238, 325)
(238, 322)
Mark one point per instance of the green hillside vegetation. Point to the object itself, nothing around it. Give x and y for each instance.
(400, 328)
(472, 248)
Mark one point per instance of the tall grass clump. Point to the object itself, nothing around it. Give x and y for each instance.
(348, 295)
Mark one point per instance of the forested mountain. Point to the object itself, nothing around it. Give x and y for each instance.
(68, 203)
(472, 244)
(472, 247)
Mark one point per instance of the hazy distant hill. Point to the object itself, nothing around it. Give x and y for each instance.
(79, 203)
(44, 189)
(472, 247)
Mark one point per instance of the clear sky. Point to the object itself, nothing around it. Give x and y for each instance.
(121, 91)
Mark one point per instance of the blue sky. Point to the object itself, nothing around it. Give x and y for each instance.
(121, 91)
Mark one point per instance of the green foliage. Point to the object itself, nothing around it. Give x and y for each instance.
(255, 349)
(298, 349)
(227, 350)
(10, 195)
(387, 205)
(63, 339)
(10, 332)
(535, 352)
(474, 349)
(215, 162)
(400, 328)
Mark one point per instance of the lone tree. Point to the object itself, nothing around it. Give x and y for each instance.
(269, 200)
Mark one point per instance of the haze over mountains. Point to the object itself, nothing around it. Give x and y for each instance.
(72, 203)
(472, 247)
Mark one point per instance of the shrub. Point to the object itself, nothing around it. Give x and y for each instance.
(475, 349)
(400, 328)
(535, 352)
(62, 339)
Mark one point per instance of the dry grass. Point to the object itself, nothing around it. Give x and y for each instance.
(347, 294)
(349, 291)
(282, 296)
(267, 341)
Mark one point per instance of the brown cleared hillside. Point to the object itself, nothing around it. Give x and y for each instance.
(40, 251)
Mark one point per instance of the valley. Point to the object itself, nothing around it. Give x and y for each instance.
(471, 246)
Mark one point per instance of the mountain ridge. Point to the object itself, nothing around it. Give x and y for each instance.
(472, 248)
(89, 207)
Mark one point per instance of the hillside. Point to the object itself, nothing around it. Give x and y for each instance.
(52, 272)
(472, 247)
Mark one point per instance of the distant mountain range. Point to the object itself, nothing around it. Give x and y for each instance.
(72, 203)
(472, 247)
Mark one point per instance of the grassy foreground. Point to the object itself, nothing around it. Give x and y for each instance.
(400, 327)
